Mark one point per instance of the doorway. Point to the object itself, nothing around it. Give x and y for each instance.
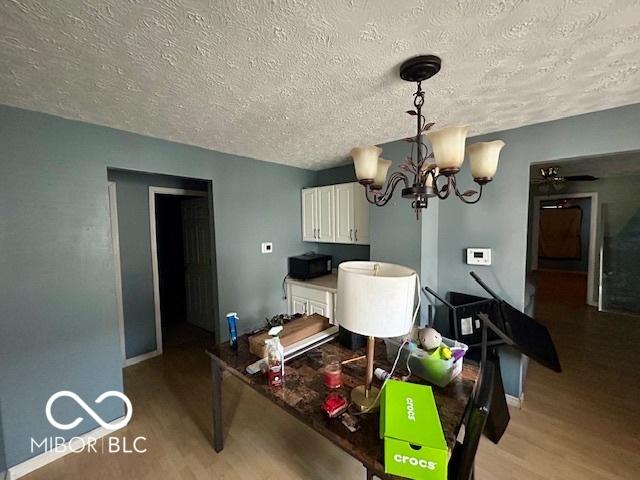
(563, 249)
(612, 182)
(164, 261)
(181, 263)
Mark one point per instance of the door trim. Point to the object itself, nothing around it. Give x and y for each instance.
(115, 242)
(592, 297)
(154, 253)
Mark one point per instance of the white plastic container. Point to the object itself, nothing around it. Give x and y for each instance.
(431, 368)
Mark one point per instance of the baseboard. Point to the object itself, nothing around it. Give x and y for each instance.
(34, 463)
(141, 358)
(514, 401)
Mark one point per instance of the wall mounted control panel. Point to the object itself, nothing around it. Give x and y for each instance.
(478, 256)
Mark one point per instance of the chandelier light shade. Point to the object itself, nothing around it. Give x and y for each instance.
(365, 160)
(483, 159)
(381, 174)
(448, 147)
(433, 173)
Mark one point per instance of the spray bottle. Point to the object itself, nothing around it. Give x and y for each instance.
(275, 358)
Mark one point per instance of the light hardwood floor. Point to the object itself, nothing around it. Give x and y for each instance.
(581, 424)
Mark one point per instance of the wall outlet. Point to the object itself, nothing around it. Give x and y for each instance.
(267, 247)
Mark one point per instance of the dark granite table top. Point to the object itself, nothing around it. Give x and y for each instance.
(304, 391)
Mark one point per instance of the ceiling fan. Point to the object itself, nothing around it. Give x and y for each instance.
(551, 180)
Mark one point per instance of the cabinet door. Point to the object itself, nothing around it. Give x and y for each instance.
(361, 215)
(344, 213)
(319, 308)
(309, 200)
(324, 214)
(299, 305)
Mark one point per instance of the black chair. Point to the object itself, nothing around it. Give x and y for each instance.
(461, 464)
(499, 416)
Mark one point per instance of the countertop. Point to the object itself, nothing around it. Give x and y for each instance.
(303, 393)
(325, 282)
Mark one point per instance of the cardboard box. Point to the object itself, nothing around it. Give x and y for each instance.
(293, 332)
(414, 445)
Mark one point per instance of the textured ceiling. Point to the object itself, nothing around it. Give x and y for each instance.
(300, 82)
(601, 166)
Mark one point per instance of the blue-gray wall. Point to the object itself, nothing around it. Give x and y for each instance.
(59, 326)
(343, 252)
(621, 266)
(135, 253)
(3, 463)
(395, 232)
(499, 220)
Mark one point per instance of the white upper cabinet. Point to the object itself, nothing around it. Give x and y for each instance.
(309, 229)
(325, 214)
(335, 214)
(344, 213)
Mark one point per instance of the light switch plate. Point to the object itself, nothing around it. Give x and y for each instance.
(267, 247)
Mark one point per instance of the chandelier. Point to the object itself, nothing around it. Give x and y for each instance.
(434, 173)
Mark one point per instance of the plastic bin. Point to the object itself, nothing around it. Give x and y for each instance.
(464, 323)
(431, 368)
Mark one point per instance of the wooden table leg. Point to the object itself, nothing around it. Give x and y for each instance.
(370, 475)
(216, 405)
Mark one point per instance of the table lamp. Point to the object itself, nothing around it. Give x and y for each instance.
(374, 299)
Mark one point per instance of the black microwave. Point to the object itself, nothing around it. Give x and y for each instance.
(309, 265)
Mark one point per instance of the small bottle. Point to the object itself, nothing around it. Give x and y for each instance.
(232, 319)
(275, 358)
(381, 374)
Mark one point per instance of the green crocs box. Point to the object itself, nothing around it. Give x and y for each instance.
(414, 445)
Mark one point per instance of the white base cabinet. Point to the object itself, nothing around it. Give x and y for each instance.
(335, 214)
(308, 301)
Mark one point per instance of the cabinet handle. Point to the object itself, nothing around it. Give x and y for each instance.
(351, 234)
(314, 233)
(356, 234)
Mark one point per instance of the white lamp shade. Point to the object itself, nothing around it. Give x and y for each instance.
(365, 161)
(377, 304)
(448, 146)
(483, 158)
(381, 174)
